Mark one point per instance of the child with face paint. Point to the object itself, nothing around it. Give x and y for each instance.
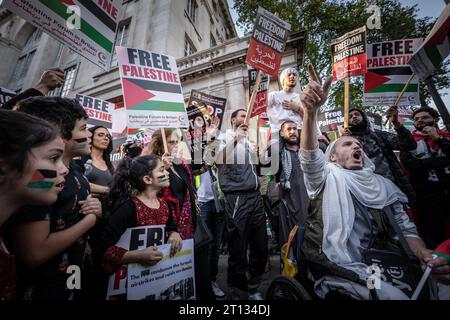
(146, 176)
(31, 173)
(48, 239)
(181, 194)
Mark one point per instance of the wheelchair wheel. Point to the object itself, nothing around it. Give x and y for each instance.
(286, 288)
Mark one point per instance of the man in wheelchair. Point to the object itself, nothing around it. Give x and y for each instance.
(358, 238)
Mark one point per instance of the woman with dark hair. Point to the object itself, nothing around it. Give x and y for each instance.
(31, 173)
(98, 167)
(182, 194)
(146, 175)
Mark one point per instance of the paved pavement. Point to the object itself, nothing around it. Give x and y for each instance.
(272, 270)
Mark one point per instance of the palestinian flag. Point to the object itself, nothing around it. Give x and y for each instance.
(443, 250)
(391, 79)
(140, 134)
(96, 24)
(435, 48)
(148, 95)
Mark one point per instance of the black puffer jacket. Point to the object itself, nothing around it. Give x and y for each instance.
(379, 147)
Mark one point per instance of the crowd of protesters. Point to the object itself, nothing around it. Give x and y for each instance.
(64, 203)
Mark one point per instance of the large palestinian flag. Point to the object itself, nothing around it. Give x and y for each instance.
(388, 71)
(152, 89)
(85, 26)
(435, 48)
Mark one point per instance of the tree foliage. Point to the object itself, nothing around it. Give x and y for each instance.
(325, 20)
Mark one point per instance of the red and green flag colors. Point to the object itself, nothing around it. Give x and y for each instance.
(152, 89)
(443, 250)
(388, 71)
(434, 49)
(348, 53)
(85, 26)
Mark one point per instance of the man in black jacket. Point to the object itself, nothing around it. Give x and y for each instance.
(379, 146)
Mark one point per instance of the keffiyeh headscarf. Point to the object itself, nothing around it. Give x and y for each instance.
(370, 189)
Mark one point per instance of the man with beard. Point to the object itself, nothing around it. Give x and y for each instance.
(354, 212)
(429, 168)
(285, 104)
(293, 207)
(379, 146)
(246, 219)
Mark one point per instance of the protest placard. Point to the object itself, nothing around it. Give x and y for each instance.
(260, 105)
(268, 42)
(152, 89)
(172, 278)
(349, 54)
(200, 108)
(100, 112)
(85, 26)
(133, 239)
(333, 120)
(388, 71)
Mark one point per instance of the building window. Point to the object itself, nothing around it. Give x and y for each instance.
(189, 47)
(69, 81)
(25, 58)
(191, 9)
(121, 40)
(213, 42)
(22, 66)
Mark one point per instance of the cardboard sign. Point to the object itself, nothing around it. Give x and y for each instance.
(172, 278)
(261, 100)
(349, 54)
(100, 112)
(133, 239)
(388, 71)
(333, 120)
(152, 89)
(268, 42)
(87, 27)
(201, 107)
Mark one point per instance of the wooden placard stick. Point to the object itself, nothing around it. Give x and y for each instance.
(401, 94)
(346, 100)
(253, 97)
(163, 135)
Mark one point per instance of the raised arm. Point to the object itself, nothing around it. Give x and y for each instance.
(312, 98)
(312, 158)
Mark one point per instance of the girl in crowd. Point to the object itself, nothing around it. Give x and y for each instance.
(99, 169)
(147, 176)
(48, 239)
(182, 194)
(31, 173)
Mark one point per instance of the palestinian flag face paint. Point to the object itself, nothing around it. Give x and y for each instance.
(38, 179)
(81, 144)
(163, 180)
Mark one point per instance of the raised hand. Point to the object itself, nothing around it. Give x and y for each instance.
(314, 95)
(50, 79)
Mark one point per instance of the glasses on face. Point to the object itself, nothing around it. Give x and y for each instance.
(172, 142)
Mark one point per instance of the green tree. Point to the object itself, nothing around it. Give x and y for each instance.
(325, 20)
